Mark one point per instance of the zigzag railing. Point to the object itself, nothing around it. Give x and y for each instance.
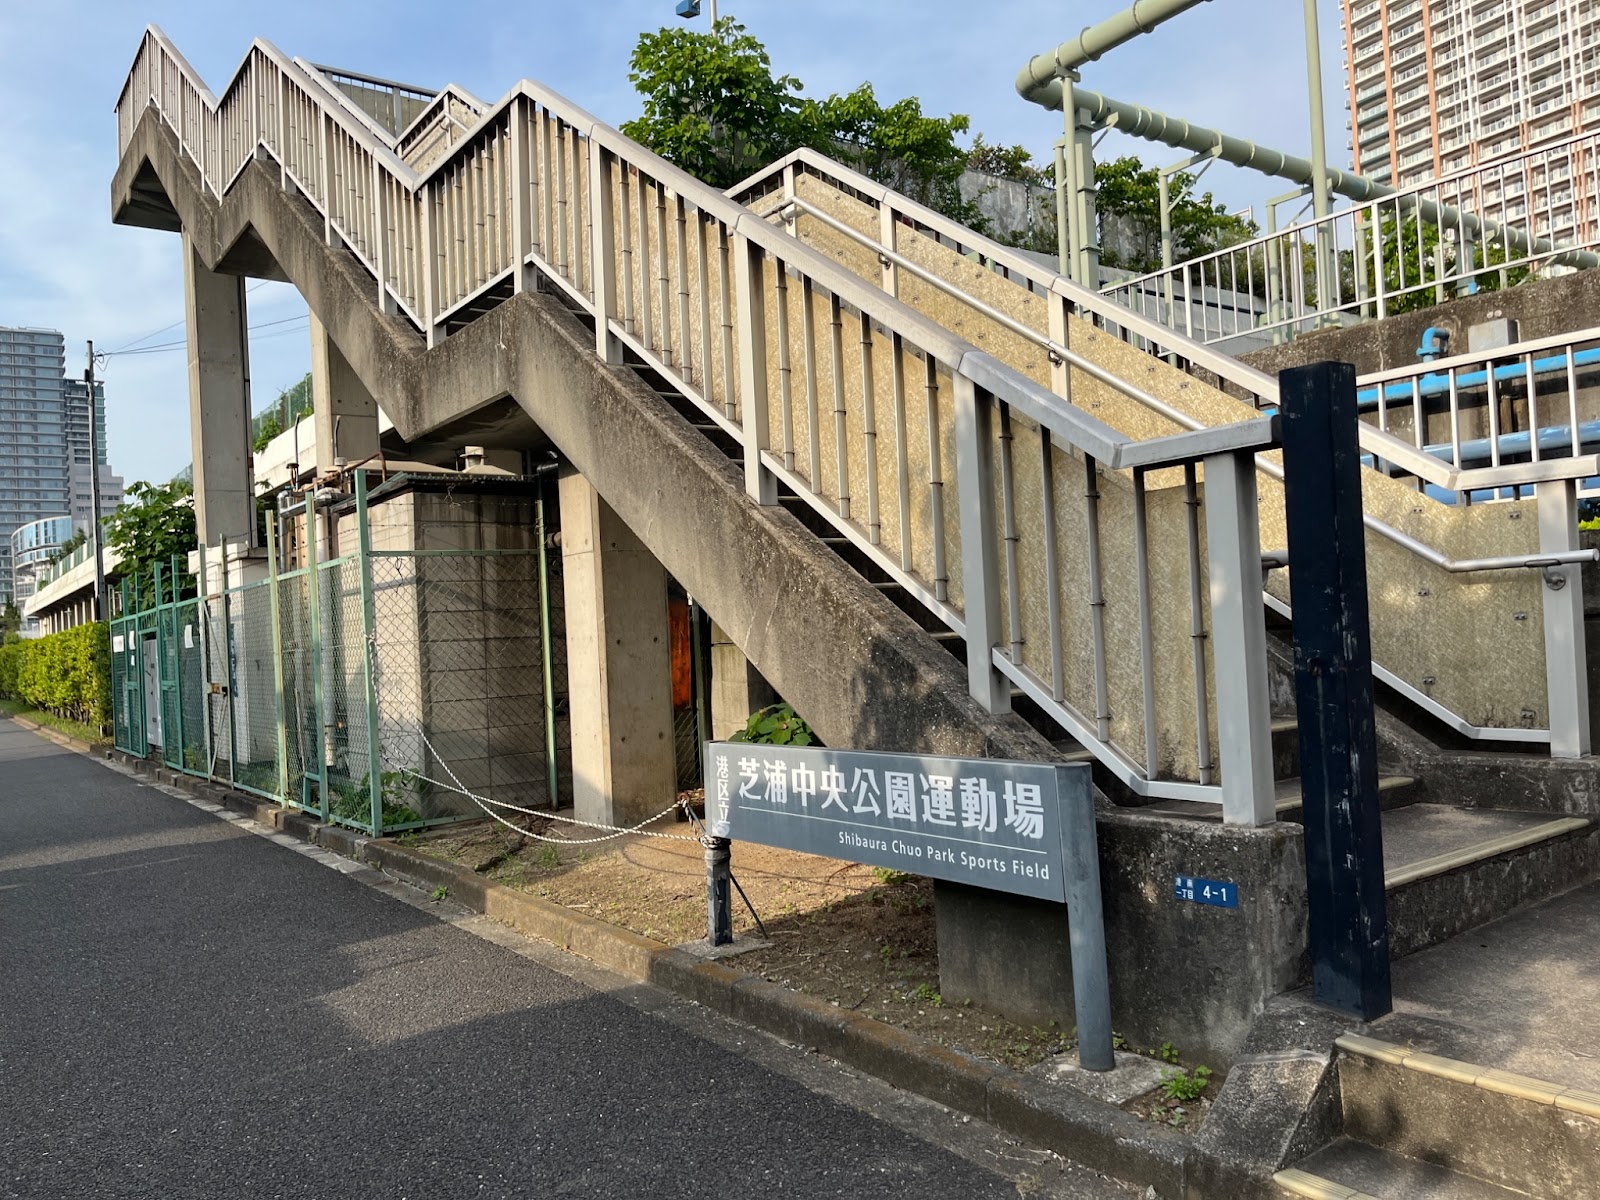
(1028, 309)
(992, 502)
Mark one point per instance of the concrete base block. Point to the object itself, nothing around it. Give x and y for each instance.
(1187, 973)
(1133, 1075)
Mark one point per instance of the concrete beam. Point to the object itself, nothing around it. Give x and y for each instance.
(619, 663)
(345, 414)
(219, 399)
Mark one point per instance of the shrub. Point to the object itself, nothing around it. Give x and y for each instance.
(67, 673)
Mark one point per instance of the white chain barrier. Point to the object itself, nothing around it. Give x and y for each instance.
(488, 805)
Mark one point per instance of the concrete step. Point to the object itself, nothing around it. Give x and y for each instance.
(1352, 1170)
(1408, 1115)
(1450, 869)
(1394, 791)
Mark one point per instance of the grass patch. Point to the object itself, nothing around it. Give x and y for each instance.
(84, 733)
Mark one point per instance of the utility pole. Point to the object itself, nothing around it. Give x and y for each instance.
(1319, 154)
(97, 551)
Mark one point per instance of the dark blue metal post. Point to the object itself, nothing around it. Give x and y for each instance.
(719, 899)
(1333, 689)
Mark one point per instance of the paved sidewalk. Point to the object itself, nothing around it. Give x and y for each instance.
(189, 1010)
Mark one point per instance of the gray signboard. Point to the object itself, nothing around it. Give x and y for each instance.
(985, 822)
(1025, 828)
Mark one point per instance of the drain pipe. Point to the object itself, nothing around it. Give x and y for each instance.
(1139, 121)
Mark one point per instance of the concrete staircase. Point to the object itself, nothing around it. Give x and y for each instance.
(1420, 1125)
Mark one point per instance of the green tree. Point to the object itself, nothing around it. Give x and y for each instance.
(154, 522)
(267, 428)
(1007, 162)
(1129, 207)
(10, 621)
(713, 106)
(711, 102)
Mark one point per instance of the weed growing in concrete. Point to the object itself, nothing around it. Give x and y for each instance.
(440, 893)
(1186, 1086)
(1168, 1053)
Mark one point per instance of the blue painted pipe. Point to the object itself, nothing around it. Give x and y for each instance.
(1438, 385)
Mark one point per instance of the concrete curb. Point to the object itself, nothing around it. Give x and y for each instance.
(54, 735)
(1087, 1131)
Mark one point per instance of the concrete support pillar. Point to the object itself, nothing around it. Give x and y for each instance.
(219, 401)
(737, 688)
(619, 663)
(345, 414)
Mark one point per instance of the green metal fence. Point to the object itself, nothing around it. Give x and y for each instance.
(372, 690)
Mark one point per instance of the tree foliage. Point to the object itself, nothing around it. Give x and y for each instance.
(1129, 205)
(713, 106)
(154, 522)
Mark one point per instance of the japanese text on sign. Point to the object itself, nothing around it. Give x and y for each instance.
(980, 821)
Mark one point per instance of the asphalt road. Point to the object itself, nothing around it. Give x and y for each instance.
(190, 1010)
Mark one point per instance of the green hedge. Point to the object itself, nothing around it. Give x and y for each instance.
(67, 673)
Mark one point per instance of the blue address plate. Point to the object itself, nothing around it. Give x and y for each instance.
(1207, 891)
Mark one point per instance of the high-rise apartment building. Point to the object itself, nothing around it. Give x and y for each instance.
(34, 464)
(1437, 86)
(45, 450)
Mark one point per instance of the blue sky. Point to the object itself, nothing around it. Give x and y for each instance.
(1235, 64)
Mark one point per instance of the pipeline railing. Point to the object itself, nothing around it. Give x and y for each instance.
(1517, 217)
(1027, 526)
(895, 242)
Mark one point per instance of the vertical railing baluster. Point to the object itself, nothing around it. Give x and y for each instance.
(663, 276)
(980, 559)
(785, 371)
(1052, 568)
(869, 432)
(941, 567)
(808, 343)
(1008, 518)
(1147, 655)
(841, 435)
(646, 302)
(1197, 627)
(602, 166)
(749, 267)
(684, 355)
(902, 450)
(625, 255)
(703, 274)
(1097, 599)
(725, 291)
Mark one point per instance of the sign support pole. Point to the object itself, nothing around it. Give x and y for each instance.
(1091, 979)
(1333, 690)
(719, 900)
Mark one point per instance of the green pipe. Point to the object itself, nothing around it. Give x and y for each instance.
(227, 663)
(277, 661)
(177, 660)
(551, 764)
(314, 602)
(203, 620)
(369, 641)
(1040, 80)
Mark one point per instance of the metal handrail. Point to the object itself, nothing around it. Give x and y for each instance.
(764, 191)
(537, 184)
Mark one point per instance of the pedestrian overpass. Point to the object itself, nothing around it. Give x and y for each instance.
(942, 499)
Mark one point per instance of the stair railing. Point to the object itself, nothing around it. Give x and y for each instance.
(1074, 561)
(776, 193)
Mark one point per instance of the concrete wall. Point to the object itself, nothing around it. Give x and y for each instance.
(1541, 307)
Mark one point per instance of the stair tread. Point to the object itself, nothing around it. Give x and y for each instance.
(1286, 798)
(1428, 839)
(1369, 1171)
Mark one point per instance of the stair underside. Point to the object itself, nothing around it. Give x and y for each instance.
(1352, 1170)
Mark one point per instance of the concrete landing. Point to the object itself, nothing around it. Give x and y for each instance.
(1519, 993)
(1425, 839)
(1371, 1172)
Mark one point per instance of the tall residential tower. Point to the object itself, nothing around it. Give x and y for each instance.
(1437, 86)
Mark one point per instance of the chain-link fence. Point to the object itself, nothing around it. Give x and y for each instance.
(377, 689)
